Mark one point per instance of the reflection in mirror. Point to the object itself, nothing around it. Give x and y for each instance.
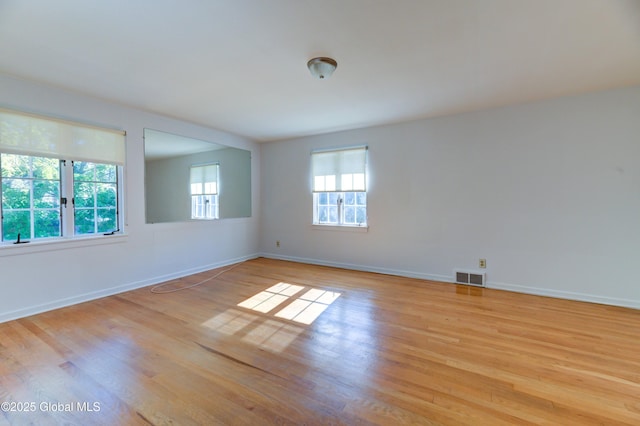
(189, 179)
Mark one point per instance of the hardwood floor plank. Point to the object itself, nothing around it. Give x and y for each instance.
(384, 350)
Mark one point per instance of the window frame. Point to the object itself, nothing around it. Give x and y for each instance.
(95, 208)
(340, 207)
(66, 204)
(209, 201)
(30, 180)
(64, 141)
(330, 175)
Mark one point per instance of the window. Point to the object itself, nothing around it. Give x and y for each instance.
(30, 197)
(95, 197)
(58, 179)
(339, 187)
(204, 192)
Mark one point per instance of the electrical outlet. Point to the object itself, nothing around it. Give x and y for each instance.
(482, 263)
(278, 243)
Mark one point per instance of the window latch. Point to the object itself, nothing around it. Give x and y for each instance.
(18, 241)
(63, 201)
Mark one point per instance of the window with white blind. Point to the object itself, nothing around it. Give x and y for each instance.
(339, 184)
(204, 191)
(58, 178)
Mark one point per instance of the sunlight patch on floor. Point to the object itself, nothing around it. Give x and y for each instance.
(230, 322)
(273, 335)
(304, 309)
(271, 332)
(267, 300)
(252, 328)
(309, 306)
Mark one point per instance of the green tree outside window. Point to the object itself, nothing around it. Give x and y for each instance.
(30, 197)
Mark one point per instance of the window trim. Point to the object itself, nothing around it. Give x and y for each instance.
(333, 227)
(340, 207)
(338, 166)
(31, 181)
(204, 194)
(67, 216)
(71, 218)
(41, 245)
(73, 141)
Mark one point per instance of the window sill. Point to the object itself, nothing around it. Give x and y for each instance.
(35, 246)
(343, 228)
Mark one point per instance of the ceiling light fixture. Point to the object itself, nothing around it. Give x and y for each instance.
(322, 67)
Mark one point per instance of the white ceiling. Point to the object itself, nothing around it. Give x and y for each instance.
(240, 65)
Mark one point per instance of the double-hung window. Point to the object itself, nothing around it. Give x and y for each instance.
(58, 178)
(339, 181)
(204, 191)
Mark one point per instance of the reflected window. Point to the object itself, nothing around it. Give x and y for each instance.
(204, 192)
(168, 193)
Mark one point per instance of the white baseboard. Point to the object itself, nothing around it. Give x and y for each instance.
(582, 297)
(186, 272)
(61, 303)
(559, 294)
(365, 268)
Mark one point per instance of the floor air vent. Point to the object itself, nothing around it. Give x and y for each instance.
(470, 278)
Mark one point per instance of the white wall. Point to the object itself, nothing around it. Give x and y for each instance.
(547, 192)
(64, 274)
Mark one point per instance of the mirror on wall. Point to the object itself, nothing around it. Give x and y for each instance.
(189, 179)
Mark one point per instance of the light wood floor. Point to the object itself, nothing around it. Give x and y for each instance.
(388, 351)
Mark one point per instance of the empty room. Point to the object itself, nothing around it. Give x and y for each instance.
(370, 212)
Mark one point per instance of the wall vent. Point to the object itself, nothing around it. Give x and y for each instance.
(474, 278)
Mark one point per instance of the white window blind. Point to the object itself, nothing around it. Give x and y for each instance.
(28, 134)
(204, 180)
(339, 170)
